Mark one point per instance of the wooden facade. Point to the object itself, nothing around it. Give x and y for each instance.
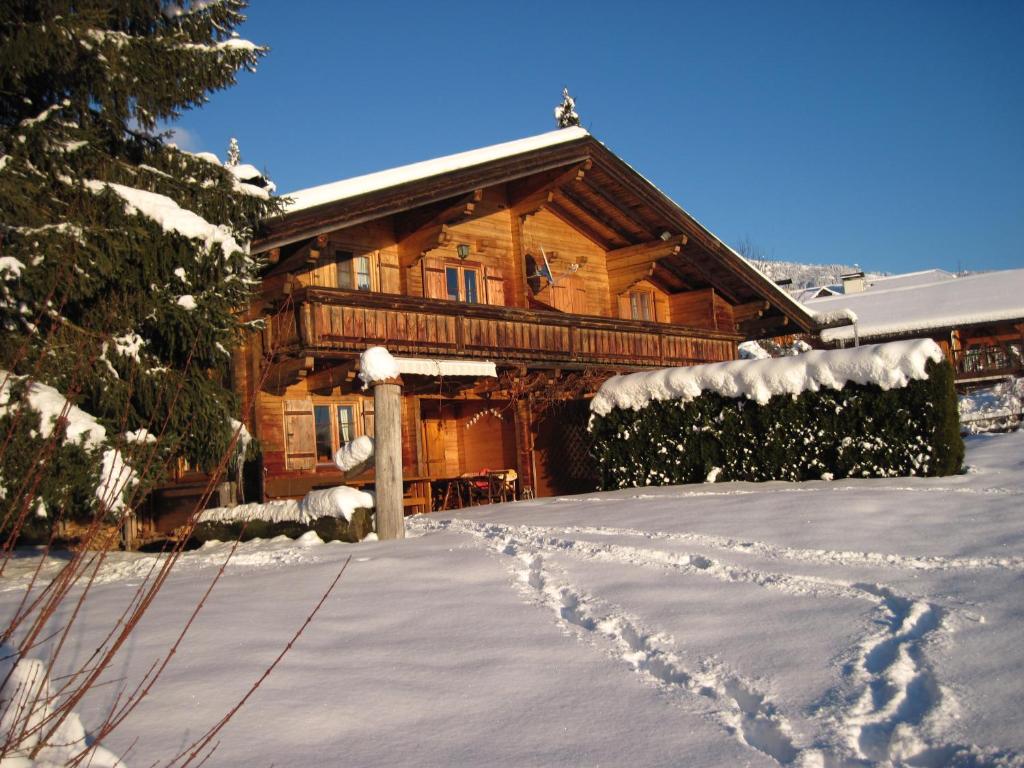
(560, 265)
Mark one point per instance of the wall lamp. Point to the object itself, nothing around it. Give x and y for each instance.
(462, 249)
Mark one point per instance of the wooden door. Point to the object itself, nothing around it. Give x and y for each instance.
(433, 447)
(562, 450)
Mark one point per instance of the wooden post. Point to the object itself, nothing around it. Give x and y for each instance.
(387, 438)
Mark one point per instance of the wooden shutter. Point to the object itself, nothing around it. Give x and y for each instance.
(299, 435)
(560, 297)
(433, 278)
(625, 311)
(390, 278)
(577, 295)
(495, 280)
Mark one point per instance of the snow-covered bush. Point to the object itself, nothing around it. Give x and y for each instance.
(761, 421)
(28, 715)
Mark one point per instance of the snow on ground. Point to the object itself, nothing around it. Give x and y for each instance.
(993, 408)
(854, 623)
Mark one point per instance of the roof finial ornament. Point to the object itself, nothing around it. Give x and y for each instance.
(565, 113)
(234, 154)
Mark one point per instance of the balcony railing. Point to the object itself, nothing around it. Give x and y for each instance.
(989, 362)
(330, 322)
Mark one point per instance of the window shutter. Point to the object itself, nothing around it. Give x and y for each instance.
(625, 312)
(299, 435)
(577, 295)
(390, 280)
(561, 296)
(495, 280)
(433, 278)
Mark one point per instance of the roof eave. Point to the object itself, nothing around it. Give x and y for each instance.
(309, 222)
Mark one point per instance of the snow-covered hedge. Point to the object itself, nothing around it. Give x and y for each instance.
(876, 411)
(336, 514)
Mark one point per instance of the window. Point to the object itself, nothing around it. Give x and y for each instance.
(462, 283)
(346, 423)
(336, 424)
(353, 271)
(641, 306)
(324, 436)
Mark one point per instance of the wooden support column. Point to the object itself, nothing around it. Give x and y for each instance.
(526, 465)
(387, 438)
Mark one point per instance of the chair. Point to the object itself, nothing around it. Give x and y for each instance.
(501, 485)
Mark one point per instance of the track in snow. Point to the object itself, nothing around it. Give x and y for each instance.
(889, 689)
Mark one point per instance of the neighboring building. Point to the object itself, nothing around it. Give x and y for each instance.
(511, 281)
(977, 319)
(803, 295)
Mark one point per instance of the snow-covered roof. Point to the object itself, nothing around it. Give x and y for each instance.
(890, 366)
(907, 280)
(373, 182)
(377, 364)
(428, 367)
(917, 308)
(806, 294)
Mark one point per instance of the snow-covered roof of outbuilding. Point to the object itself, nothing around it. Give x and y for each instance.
(372, 182)
(946, 303)
(908, 279)
(803, 295)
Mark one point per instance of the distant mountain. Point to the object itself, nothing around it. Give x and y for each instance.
(807, 275)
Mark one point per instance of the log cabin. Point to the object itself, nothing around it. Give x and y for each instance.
(977, 320)
(510, 282)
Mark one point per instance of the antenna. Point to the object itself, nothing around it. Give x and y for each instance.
(547, 266)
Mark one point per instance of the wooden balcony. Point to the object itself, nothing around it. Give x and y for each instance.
(990, 362)
(330, 322)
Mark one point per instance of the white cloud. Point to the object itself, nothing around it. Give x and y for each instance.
(184, 138)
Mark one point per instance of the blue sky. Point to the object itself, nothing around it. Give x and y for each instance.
(887, 134)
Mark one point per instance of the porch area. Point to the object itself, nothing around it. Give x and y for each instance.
(337, 323)
(980, 363)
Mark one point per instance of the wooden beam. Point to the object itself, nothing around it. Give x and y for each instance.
(307, 253)
(530, 200)
(764, 326)
(598, 216)
(329, 378)
(652, 250)
(667, 276)
(284, 373)
(626, 212)
(423, 242)
(577, 223)
(448, 215)
(387, 438)
(750, 311)
(621, 282)
(693, 262)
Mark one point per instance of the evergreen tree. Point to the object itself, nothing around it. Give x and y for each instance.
(234, 153)
(123, 259)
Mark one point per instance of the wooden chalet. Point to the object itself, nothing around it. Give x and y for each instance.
(510, 281)
(977, 320)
